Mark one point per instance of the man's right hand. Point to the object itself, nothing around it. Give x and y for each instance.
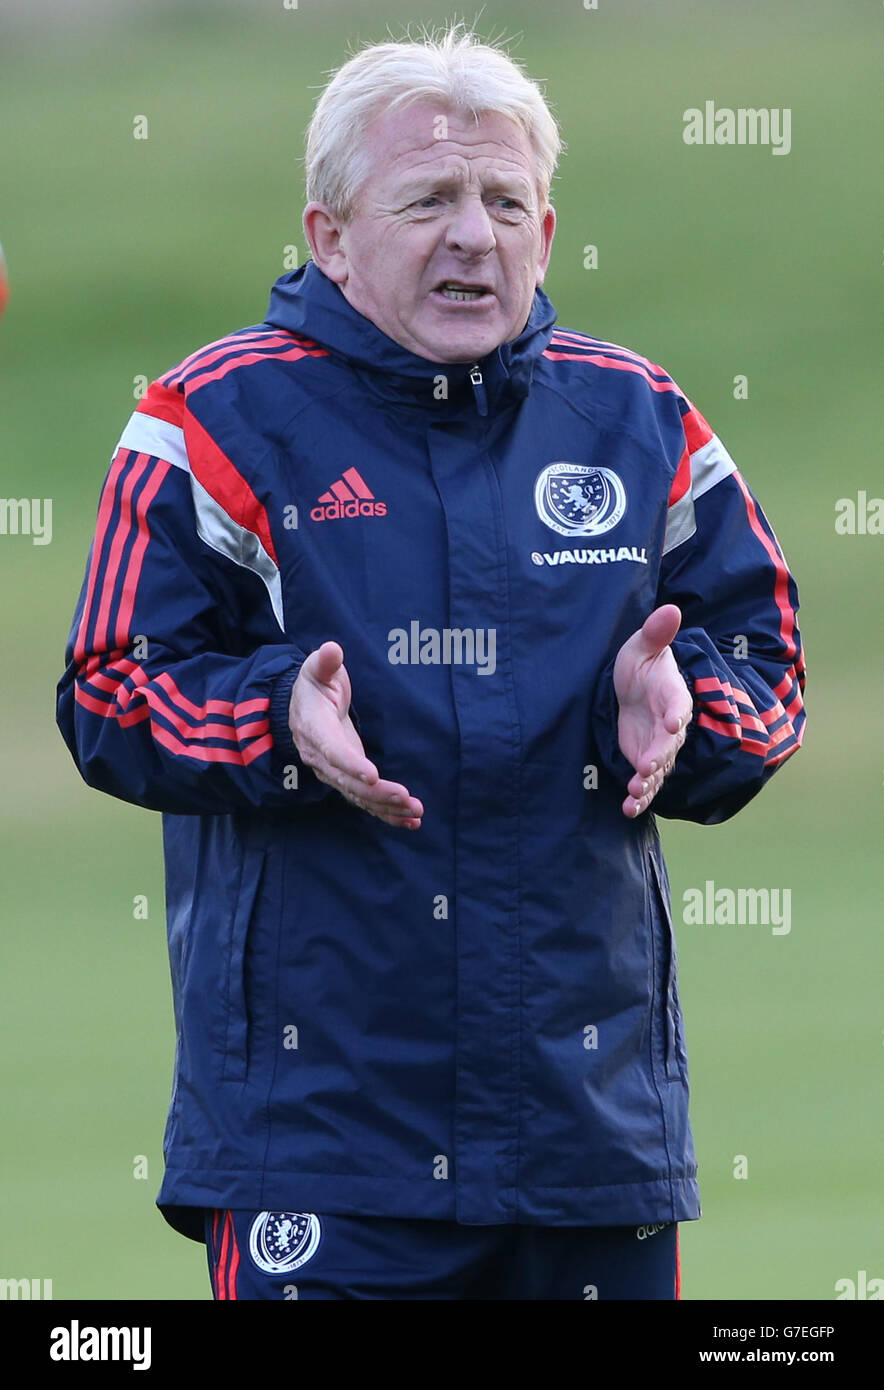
(327, 741)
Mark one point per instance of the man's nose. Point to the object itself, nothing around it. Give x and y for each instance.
(470, 229)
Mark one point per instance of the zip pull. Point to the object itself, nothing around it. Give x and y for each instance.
(479, 390)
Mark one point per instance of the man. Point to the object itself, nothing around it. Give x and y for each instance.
(429, 1036)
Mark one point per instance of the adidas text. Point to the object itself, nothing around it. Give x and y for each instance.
(333, 511)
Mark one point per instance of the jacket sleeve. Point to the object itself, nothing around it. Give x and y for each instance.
(739, 648)
(162, 703)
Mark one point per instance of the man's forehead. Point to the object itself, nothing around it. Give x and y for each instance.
(419, 140)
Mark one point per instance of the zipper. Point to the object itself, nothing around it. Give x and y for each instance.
(479, 390)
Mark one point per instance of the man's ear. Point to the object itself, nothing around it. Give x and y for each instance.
(548, 231)
(322, 231)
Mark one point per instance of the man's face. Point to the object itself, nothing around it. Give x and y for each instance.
(461, 210)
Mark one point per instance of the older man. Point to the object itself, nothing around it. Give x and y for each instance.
(443, 1064)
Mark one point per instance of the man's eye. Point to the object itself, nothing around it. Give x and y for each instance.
(428, 201)
(511, 203)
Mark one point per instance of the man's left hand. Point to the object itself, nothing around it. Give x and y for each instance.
(655, 706)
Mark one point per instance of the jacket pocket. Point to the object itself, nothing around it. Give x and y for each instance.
(669, 1047)
(235, 1006)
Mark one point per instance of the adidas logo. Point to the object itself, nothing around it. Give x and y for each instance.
(349, 496)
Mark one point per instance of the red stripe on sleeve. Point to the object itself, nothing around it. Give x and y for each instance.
(136, 559)
(222, 480)
(705, 721)
(105, 511)
(781, 585)
(682, 480)
(164, 403)
(211, 755)
(139, 464)
(258, 705)
(697, 430)
(747, 745)
(146, 688)
(240, 754)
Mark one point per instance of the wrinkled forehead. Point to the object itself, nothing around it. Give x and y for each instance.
(419, 143)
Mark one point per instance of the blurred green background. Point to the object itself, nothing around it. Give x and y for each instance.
(124, 255)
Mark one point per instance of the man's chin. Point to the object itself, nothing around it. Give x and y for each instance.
(461, 348)
(460, 336)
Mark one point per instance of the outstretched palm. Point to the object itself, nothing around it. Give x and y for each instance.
(327, 741)
(655, 706)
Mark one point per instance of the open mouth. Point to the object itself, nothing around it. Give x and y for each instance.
(459, 292)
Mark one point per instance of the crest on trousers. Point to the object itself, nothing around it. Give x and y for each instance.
(577, 500)
(281, 1241)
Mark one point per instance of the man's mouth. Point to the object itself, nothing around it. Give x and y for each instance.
(460, 292)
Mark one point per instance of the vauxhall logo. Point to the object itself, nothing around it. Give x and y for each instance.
(349, 496)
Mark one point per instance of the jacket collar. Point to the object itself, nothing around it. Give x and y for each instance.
(306, 302)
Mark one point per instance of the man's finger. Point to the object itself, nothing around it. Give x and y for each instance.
(664, 747)
(406, 817)
(389, 796)
(383, 795)
(329, 660)
(397, 822)
(678, 717)
(651, 773)
(341, 759)
(659, 629)
(661, 752)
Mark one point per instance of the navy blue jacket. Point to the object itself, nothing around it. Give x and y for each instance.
(478, 1020)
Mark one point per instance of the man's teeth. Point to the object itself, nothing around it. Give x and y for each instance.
(455, 292)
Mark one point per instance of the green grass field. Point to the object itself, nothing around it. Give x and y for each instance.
(125, 254)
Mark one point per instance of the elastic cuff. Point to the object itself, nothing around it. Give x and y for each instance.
(284, 750)
(606, 717)
(284, 753)
(689, 682)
